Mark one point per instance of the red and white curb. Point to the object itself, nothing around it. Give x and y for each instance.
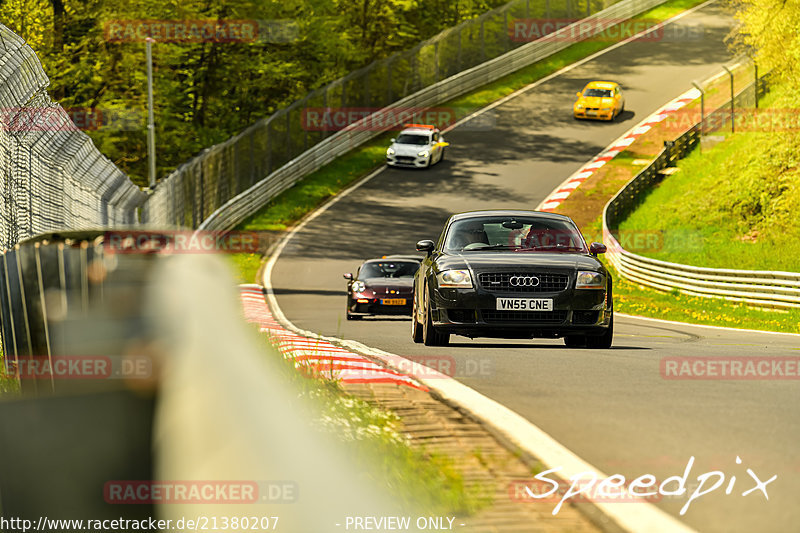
(315, 356)
(571, 183)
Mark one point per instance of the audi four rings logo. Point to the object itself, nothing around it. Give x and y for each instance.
(524, 281)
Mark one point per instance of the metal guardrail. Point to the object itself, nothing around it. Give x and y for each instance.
(755, 287)
(249, 201)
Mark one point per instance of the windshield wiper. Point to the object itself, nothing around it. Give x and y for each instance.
(491, 247)
(554, 247)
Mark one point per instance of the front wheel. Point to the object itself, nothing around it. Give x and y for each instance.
(416, 327)
(603, 341)
(430, 335)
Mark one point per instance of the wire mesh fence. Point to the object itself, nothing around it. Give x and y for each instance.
(198, 188)
(52, 176)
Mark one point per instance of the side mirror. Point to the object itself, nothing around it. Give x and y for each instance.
(597, 248)
(392, 140)
(425, 246)
(579, 94)
(348, 275)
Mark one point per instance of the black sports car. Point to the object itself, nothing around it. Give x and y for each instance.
(512, 274)
(381, 287)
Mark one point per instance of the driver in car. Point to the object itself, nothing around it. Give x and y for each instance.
(468, 233)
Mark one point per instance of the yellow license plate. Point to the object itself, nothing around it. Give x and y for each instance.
(393, 301)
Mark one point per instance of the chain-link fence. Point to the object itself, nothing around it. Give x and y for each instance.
(51, 174)
(199, 187)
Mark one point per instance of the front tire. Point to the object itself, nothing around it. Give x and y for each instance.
(416, 327)
(604, 341)
(575, 341)
(430, 335)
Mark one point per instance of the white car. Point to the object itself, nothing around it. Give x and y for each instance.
(417, 145)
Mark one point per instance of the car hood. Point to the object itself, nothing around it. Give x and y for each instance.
(408, 149)
(493, 260)
(595, 101)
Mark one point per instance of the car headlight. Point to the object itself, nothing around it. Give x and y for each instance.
(590, 280)
(454, 278)
(390, 151)
(578, 106)
(423, 153)
(358, 286)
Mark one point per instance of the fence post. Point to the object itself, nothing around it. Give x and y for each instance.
(732, 97)
(483, 43)
(436, 59)
(668, 152)
(755, 70)
(459, 48)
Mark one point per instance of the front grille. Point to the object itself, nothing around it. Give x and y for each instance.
(585, 317)
(501, 282)
(527, 317)
(405, 159)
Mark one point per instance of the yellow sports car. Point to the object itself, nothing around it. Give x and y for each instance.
(599, 100)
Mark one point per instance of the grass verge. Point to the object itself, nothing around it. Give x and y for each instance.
(245, 266)
(291, 205)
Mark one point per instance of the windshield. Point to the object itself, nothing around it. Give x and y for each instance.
(522, 234)
(602, 93)
(408, 138)
(389, 269)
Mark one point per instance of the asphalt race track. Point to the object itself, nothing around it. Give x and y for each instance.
(612, 408)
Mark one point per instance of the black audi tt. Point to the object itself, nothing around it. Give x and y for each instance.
(512, 274)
